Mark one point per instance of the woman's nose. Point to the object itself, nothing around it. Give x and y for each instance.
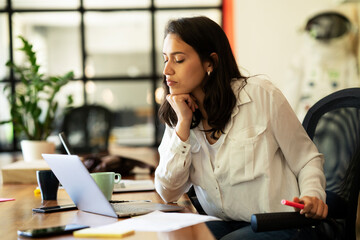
(168, 70)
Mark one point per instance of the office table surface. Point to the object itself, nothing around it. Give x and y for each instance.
(18, 214)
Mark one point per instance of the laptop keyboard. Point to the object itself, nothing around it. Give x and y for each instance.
(123, 209)
(134, 208)
(120, 207)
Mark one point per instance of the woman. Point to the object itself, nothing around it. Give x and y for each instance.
(235, 139)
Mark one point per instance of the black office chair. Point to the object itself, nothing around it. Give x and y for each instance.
(88, 129)
(333, 123)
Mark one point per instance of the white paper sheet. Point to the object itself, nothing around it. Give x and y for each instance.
(155, 222)
(164, 222)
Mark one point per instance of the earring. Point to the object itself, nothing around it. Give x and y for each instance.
(208, 73)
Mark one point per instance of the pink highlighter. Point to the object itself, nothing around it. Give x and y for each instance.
(292, 204)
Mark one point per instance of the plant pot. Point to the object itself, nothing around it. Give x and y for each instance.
(32, 150)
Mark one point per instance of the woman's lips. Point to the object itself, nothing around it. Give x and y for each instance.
(170, 83)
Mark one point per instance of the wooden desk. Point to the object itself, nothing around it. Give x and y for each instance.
(18, 214)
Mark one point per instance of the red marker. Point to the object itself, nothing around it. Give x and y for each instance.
(6, 199)
(292, 204)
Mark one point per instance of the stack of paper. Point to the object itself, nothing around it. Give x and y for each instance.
(134, 186)
(153, 222)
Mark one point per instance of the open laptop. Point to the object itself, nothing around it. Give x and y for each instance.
(86, 194)
(123, 185)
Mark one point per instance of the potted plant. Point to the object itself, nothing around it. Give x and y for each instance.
(33, 105)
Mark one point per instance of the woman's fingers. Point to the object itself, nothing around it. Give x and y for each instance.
(194, 103)
(177, 101)
(313, 207)
(183, 104)
(297, 200)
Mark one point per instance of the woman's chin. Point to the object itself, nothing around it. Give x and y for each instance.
(174, 91)
(178, 91)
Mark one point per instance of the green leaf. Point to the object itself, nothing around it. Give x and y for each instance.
(70, 100)
(6, 121)
(36, 113)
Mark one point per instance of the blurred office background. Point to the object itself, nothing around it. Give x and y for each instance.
(307, 48)
(114, 48)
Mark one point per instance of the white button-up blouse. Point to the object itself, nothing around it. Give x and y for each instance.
(265, 156)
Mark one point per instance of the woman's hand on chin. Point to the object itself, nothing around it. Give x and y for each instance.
(183, 104)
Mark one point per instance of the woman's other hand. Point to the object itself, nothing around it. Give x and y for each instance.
(313, 207)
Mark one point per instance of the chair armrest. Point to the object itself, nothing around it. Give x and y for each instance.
(262, 222)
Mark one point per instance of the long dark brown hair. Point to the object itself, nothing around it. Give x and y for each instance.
(206, 37)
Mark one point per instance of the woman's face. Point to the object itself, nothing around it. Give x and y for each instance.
(183, 68)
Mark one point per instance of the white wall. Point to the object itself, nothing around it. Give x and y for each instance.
(267, 33)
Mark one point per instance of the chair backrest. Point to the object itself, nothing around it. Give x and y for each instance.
(88, 128)
(333, 123)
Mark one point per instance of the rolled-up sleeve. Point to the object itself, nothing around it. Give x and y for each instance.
(172, 174)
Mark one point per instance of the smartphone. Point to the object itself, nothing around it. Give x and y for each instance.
(58, 208)
(50, 231)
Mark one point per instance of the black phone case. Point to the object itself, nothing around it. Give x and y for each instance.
(51, 231)
(55, 208)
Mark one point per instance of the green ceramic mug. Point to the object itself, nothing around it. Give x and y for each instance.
(106, 181)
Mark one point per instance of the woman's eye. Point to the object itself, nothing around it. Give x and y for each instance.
(179, 61)
(165, 61)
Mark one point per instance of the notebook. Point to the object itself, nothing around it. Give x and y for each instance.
(88, 197)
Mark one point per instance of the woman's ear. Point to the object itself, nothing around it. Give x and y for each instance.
(212, 62)
(215, 59)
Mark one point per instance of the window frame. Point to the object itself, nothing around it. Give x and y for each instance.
(153, 76)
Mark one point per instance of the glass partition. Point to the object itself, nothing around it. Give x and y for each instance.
(187, 3)
(159, 95)
(131, 103)
(45, 4)
(76, 90)
(114, 48)
(55, 38)
(6, 130)
(111, 4)
(2, 4)
(4, 46)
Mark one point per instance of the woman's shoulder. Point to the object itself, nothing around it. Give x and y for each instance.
(262, 83)
(256, 86)
(257, 83)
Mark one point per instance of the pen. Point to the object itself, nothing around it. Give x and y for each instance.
(125, 201)
(292, 204)
(6, 199)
